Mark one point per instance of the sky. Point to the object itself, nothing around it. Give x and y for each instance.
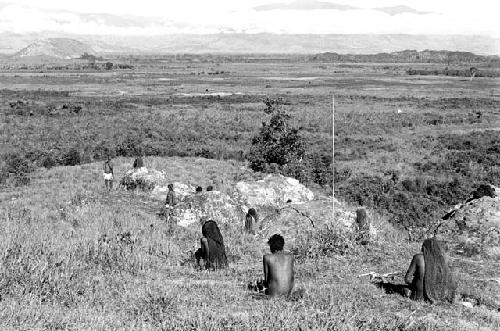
(156, 17)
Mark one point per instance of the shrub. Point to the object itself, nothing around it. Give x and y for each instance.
(71, 158)
(17, 168)
(278, 141)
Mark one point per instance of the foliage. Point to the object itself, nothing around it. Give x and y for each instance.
(16, 168)
(278, 141)
(279, 147)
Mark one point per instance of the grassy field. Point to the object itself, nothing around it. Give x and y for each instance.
(407, 147)
(65, 266)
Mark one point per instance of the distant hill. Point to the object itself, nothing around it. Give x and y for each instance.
(408, 56)
(243, 43)
(61, 48)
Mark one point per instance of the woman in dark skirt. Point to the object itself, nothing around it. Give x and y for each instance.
(212, 249)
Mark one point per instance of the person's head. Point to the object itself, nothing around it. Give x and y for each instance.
(170, 187)
(211, 230)
(210, 188)
(199, 189)
(253, 213)
(108, 158)
(276, 243)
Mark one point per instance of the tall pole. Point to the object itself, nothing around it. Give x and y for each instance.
(333, 137)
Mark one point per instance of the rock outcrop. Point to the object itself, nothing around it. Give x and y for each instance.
(473, 228)
(144, 179)
(294, 221)
(210, 205)
(181, 191)
(273, 190)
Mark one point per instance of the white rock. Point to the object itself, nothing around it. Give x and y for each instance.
(273, 190)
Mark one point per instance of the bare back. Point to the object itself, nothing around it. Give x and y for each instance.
(278, 273)
(108, 167)
(415, 276)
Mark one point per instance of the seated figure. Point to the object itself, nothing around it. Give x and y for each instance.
(212, 249)
(138, 163)
(250, 220)
(429, 276)
(278, 270)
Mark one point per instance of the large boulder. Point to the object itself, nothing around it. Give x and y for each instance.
(273, 190)
(473, 227)
(294, 221)
(143, 178)
(210, 205)
(181, 191)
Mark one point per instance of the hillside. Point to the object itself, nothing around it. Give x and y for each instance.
(408, 56)
(61, 48)
(77, 257)
(262, 43)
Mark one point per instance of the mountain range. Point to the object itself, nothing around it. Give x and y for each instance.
(70, 45)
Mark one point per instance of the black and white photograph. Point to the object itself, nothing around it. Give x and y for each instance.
(250, 165)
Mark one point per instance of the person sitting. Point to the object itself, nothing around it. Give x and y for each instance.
(212, 250)
(250, 220)
(279, 276)
(429, 276)
(138, 163)
(415, 277)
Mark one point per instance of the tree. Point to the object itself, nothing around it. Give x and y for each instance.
(278, 142)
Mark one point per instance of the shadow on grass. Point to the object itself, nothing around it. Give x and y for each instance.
(391, 288)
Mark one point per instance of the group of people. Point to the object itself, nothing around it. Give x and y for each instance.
(278, 265)
(428, 276)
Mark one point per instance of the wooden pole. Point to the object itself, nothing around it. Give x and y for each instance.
(333, 137)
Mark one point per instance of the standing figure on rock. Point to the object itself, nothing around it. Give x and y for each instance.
(429, 276)
(170, 203)
(250, 221)
(212, 250)
(108, 173)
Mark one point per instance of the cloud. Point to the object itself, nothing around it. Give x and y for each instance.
(304, 5)
(396, 10)
(323, 5)
(298, 17)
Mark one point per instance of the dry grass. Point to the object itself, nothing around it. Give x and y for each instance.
(66, 264)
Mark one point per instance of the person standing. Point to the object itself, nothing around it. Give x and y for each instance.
(108, 173)
(170, 202)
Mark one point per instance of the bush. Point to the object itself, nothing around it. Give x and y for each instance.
(71, 158)
(16, 168)
(277, 142)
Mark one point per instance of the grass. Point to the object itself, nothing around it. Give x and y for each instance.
(65, 266)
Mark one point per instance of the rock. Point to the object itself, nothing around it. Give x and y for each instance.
(473, 228)
(273, 190)
(214, 205)
(143, 178)
(467, 304)
(181, 191)
(294, 221)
